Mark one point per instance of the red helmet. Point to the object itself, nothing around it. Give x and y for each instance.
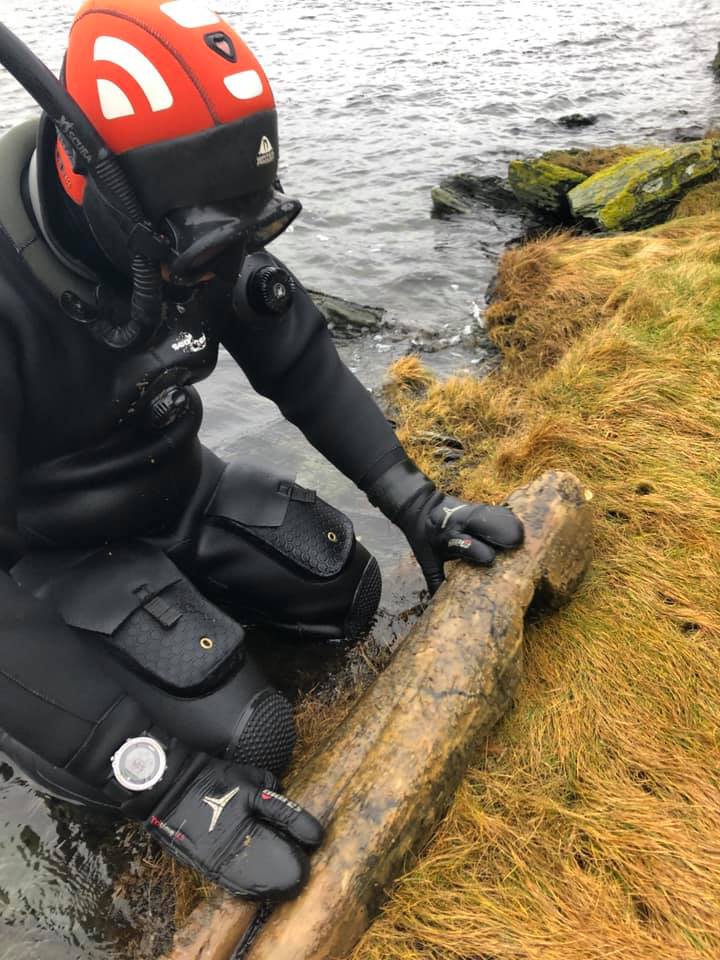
(180, 99)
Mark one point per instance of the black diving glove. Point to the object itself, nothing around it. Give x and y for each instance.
(438, 527)
(230, 823)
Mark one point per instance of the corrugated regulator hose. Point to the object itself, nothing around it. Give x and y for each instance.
(96, 159)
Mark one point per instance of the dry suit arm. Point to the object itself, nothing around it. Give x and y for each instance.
(292, 360)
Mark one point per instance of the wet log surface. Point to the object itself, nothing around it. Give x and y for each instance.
(388, 773)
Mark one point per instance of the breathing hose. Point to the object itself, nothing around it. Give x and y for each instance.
(94, 158)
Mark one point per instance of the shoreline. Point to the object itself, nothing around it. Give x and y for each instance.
(542, 322)
(589, 824)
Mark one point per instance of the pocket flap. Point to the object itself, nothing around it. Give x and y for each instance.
(251, 495)
(101, 591)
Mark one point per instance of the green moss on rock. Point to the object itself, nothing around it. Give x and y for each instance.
(542, 184)
(642, 189)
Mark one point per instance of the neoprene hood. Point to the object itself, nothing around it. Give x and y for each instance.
(188, 110)
(167, 141)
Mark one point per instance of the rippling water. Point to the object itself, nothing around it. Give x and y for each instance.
(377, 102)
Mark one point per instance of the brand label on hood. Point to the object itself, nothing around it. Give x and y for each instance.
(266, 153)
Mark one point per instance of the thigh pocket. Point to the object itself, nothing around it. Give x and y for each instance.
(152, 618)
(287, 519)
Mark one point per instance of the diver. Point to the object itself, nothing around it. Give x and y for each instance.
(134, 220)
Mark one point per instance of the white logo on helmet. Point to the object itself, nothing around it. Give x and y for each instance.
(188, 13)
(245, 85)
(114, 102)
(266, 154)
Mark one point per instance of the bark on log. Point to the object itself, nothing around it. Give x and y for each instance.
(388, 773)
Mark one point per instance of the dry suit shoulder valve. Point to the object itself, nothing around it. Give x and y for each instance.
(271, 290)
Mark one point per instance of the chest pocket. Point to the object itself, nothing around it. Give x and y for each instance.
(284, 517)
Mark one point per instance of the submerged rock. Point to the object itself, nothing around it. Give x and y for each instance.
(462, 191)
(573, 120)
(346, 318)
(695, 131)
(641, 190)
(543, 185)
(716, 61)
(445, 201)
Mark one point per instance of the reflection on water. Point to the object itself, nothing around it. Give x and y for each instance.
(377, 102)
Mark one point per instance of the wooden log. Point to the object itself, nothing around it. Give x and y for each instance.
(214, 930)
(387, 774)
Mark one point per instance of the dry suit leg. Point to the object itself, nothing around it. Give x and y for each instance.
(273, 552)
(62, 713)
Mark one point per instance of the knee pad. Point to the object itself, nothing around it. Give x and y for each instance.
(265, 735)
(244, 720)
(366, 597)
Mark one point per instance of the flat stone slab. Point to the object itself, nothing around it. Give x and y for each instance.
(387, 774)
(464, 192)
(346, 318)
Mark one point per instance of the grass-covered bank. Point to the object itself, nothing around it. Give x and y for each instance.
(590, 826)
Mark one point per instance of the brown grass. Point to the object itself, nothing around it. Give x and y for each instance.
(701, 200)
(590, 161)
(589, 827)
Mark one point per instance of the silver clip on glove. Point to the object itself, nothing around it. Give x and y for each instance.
(439, 527)
(230, 823)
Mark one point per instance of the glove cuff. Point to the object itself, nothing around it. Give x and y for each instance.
(400, 487)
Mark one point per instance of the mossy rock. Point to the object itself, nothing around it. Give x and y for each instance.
(642, 190)
(543, 185)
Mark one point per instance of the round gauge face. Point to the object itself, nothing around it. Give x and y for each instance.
(139, 764)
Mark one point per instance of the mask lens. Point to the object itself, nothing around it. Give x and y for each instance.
(275, 223)
(216, 240)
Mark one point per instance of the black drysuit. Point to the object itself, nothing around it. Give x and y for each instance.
(87, 458)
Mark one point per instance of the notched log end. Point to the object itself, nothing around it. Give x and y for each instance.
(557, 516)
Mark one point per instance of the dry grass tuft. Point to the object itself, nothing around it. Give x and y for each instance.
(592, 160)
(701, 200)
(159, 892)
(589, 827)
